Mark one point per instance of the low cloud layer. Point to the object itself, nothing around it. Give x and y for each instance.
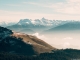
(60, 41)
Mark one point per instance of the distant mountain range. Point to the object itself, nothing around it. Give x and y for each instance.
(37, 25)
(42, 25)
(67, 27)
(5, 24)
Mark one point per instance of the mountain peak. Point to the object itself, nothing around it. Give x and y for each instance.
(24, 21)
(43, 18)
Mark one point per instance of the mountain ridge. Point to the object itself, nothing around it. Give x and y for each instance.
(70, 26)
(20, 43)
(37, 25)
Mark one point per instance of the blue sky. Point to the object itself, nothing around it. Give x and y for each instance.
(14, 10)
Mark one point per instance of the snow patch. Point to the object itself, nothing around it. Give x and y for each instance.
(27, 22)
(33, 21)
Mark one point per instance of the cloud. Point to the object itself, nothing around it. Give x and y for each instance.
(13, 5)
(39, 36)
(17, 15)
(44, 38)
(13, 16)
(68, 7)
(33, 3)
(68, 38)
(67, 10)
(74, 1)
(60, 42)
(66, 45)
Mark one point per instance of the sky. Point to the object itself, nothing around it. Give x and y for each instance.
(14, 10)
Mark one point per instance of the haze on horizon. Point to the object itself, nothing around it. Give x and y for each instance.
(14, 10)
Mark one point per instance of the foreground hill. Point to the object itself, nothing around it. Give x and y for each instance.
(38, 45)
(19, 46)
(18, 43)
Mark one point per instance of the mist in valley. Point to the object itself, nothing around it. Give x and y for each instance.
(61, 39)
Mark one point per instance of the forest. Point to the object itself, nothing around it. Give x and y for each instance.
(63, 54)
